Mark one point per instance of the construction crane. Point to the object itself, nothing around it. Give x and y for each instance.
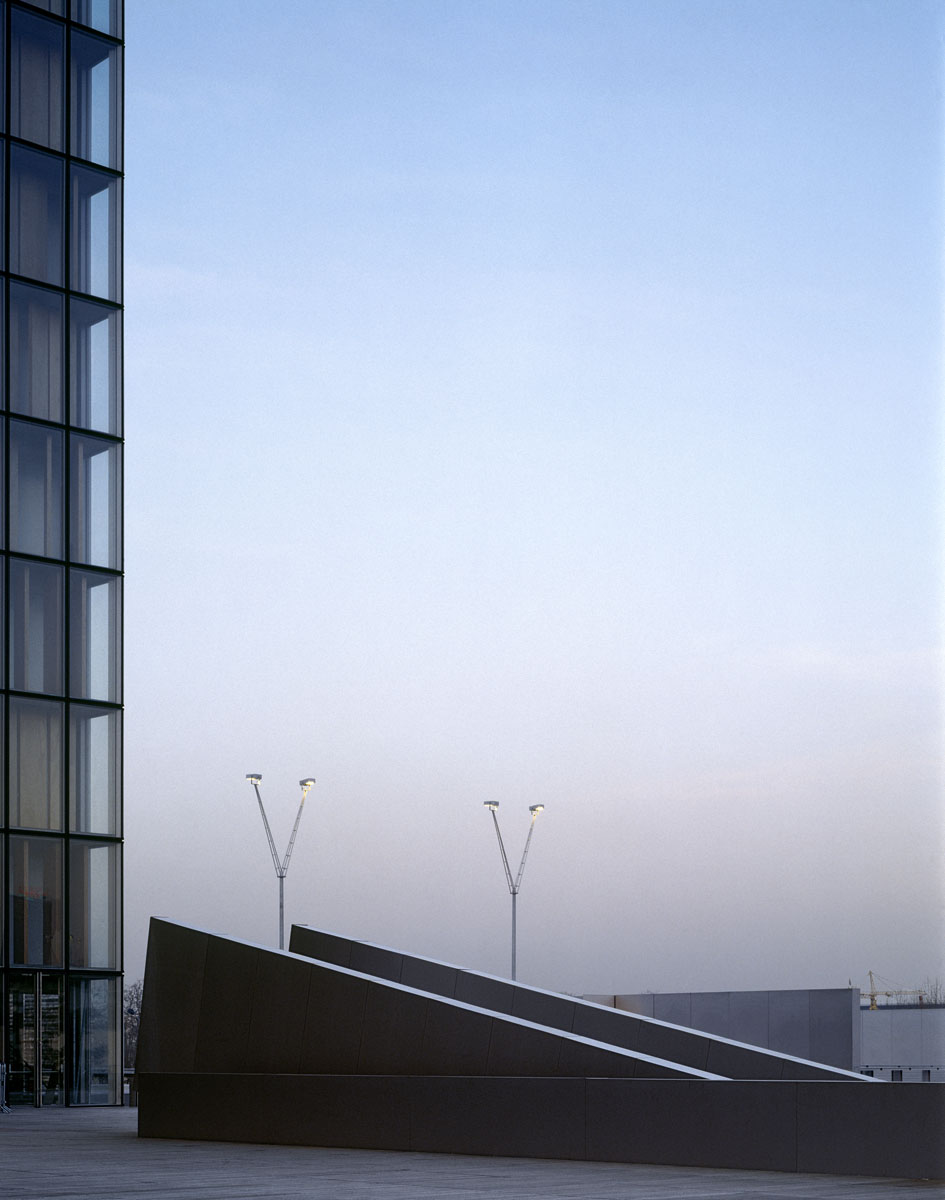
(874, 992)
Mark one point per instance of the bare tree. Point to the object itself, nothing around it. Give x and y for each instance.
(933, 991)
(132, 1017)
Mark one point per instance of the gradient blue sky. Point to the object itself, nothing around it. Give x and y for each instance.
(540, 402)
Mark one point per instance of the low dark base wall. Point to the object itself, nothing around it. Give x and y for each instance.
(810, 1127)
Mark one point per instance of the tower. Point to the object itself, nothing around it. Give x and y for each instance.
(60, 817)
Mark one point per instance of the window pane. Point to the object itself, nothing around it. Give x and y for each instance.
(36, 215)
(36, 490)
(96, 99)
(3, 497)
(96, 236)
(94, 769)
(95, 1016)
(104, 15)
(96, 366)
(93, 905)
(21, 1038)
(95, 482)
(50, 6)
(35, 1078)
(36, 352)
(36, 633)
(36, 75)
(3, 56)
(35, 764)
(95, 603)
(3, 190)
(36, 901)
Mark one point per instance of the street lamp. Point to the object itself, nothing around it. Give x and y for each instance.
(283, 866)
(516, 883)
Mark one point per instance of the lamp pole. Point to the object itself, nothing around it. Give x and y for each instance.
(282, 866)
(515, 883)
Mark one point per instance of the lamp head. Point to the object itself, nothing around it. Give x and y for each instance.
(254, 779)
(305, 784)
(535, 809)
(491, 804)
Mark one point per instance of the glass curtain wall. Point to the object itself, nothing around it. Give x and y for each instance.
(61, 549)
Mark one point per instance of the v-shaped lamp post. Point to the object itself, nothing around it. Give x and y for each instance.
(282, 866)
(516, 883)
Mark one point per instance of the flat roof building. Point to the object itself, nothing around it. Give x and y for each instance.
(61, 550)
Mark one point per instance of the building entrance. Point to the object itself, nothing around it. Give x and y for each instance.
(35, 1041)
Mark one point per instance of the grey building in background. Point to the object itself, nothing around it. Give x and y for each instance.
(905, 1045)
(61, 549)
(822, 1024)
(830, 1025)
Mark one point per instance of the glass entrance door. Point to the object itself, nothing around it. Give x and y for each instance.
(35, 1039)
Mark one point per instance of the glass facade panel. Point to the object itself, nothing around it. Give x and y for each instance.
(36, 627)
(93, 905)
(94, 769)
(37, 110)
(35, 937)
(61, 465)
(3, 507)
(96, 93)
(95, 372)
(51, 6)
(34, 1051)
(36, 516)
(95, 1017)
(3, 167)
(96, 237)
(21, 1044)
(95, 487)
(37, 352)
(103, 15)
(36, 215)
(94, 648)
(36, 744)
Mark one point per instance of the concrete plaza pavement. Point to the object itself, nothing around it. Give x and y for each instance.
(74, 1153)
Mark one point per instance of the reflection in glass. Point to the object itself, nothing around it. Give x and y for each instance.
(36, 77)
(96, 237)
(96, 366)
(93, 905)
(3, 496)
(36, 627)
(36, 901)
(50, 6)
(94, 769)
(35, 763)
(36, 490)
(3, 190)
(96, 96)
(95, 1023)
(21, 1038)
(95, 487)
(35, 1055)
(94, 648)
(104, 15)
(36, 215)
(36, 352)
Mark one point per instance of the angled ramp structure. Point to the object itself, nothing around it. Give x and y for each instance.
(615, 1027)
(240, 1042)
